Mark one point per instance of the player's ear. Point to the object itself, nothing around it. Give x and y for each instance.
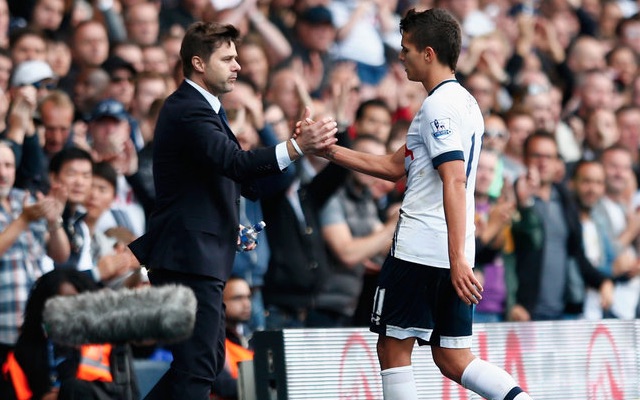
(197, 63)
(429, 54)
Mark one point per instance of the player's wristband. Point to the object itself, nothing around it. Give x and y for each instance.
(296, 147)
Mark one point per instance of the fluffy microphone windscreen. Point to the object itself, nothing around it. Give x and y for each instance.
(151, 313)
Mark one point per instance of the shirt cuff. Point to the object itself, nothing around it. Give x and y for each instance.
(282, 154)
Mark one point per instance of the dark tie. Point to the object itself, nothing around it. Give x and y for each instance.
(223, 117)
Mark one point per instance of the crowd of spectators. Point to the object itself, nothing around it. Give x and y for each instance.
(558, 81)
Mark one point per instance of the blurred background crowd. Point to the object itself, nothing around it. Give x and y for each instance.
(82, 82)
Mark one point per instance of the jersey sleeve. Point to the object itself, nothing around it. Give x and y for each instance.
(441, 133)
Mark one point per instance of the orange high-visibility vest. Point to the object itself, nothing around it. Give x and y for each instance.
(94, 363)
(18, 378)
(235, 353)
(94, 366)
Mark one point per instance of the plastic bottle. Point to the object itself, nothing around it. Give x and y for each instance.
(249, 235)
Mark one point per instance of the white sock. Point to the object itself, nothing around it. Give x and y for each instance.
(491, 382)
(398, 384)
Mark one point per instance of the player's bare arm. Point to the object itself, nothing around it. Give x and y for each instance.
(454, 181)
(389, 166)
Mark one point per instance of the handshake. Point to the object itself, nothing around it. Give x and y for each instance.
(312, 137)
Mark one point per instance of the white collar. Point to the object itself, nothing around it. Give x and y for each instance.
(211, 99)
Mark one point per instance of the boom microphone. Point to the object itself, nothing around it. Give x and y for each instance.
(163, 314)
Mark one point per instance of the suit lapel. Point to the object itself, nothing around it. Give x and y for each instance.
(225, 125)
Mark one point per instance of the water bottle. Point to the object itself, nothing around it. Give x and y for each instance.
(249, 235)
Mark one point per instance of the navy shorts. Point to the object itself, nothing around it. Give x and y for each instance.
(414, 300)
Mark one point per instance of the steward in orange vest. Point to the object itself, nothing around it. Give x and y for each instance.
(226, 384)
(94, 366)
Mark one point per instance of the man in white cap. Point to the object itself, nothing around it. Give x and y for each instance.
(34, 73)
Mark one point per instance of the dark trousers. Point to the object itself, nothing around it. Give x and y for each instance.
(197, 360)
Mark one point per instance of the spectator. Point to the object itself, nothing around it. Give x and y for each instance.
(181, 15)
(89, 88)
(627, 32)
(90, 45)
(621, 222)
(249, 17)
(27, 44)
(154, 59)
(588, 184)
(361, 28)
(286, 88)
(623, 63)
(56, 113)
(547, 237)
(594, 89)
(121, 80)
(600, 131)
(34, 73)
(483, 89)
(109, 131)
(59, 58)
(142, 23)
(373, 117)
(108, 247)
(357, 241)
(492, 219)
(48, 15)
(30, 232)
(628, 120)
(255, 62)
(149, 86)
(495, 139)
(312, 38)
(71, 169)
(171, 42)
(299, 261)
(520, 125)
(237, 301)
(130, 52)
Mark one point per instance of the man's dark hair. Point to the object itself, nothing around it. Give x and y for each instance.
(105, 171)
(615, 147)
(581, 163)
(538, 134)
(371, 103)
(435, 28)
(202, 39)
(65, 155)
(17, 35)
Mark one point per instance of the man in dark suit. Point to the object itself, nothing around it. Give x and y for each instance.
(199, 174)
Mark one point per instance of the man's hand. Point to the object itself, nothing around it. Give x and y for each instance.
(606, 294)
(55, 200)
(314, 137)
(519, 314)
(31, 212)
(465, 283)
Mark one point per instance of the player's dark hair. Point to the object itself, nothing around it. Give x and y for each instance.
(435, 28)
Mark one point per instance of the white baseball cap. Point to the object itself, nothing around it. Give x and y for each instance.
(30, 72)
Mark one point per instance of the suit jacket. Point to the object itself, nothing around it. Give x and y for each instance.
(199, 173)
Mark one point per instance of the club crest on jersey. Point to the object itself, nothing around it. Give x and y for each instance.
(440, 128)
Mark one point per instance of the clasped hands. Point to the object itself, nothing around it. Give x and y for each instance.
(314, 137)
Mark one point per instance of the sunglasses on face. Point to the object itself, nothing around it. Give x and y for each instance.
(49, 85)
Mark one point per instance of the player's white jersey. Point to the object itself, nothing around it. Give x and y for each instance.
(449, 126)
